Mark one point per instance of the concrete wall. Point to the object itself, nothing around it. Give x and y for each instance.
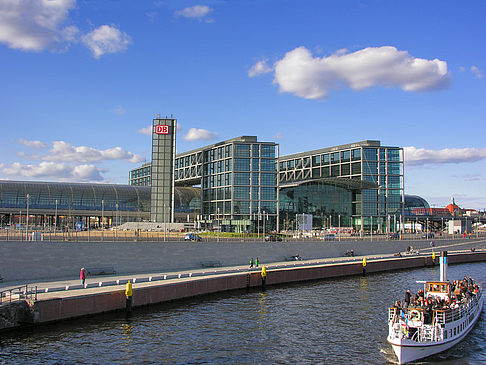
(36, 261)
(75, 306)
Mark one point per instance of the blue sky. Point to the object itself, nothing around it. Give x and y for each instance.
(80, 81)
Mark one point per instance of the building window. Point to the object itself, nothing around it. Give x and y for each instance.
(242, 150)
(356, 154)
(370, 154)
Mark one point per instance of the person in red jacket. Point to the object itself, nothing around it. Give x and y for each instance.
(82, 275)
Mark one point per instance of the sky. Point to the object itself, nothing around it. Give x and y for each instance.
(81, 81)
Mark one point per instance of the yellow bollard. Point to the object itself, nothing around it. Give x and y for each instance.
(433, 255)
(264, 271)
(128, 294)
(264, 276)
(364, 266)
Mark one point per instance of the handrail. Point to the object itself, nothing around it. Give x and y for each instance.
(23, 292)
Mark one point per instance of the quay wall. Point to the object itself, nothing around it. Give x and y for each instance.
(27, 262)
(150, 293)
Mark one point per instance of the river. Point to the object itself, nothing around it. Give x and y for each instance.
(338, 321)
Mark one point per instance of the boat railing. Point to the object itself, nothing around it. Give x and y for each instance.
(451, 315)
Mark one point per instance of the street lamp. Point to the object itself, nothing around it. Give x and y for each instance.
(371, 228)
(102, 217)
(55, 220)
(27, 220)
(339, 233)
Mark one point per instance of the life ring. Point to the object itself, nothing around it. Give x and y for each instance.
(414, 314)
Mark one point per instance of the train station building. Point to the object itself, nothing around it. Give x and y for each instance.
(240, 184)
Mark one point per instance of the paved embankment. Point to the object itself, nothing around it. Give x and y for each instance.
(26, 262)
(65, 304)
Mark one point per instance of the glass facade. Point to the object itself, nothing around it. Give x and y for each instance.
(131, 203)
(330, 205)
(366, 161)
(238, 184)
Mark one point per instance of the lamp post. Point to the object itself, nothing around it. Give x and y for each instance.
(55, 219)
(339, 232)
(27, 220)
(116, 221)
(102, 217)
(371, 228)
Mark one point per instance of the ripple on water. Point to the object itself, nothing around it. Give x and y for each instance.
(341, 321)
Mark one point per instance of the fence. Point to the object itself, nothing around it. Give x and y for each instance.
(23, 292)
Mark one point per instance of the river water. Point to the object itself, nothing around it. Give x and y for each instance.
(338, 321)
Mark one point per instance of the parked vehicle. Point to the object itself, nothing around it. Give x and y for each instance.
(273, 238)
(329, 237)
(192, 237)
(428, 235)
(394, 236)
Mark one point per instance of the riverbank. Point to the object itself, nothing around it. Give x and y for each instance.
(51, 306)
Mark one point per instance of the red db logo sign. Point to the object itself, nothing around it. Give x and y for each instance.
(161, 129)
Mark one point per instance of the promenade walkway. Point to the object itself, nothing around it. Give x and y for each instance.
(105, 283)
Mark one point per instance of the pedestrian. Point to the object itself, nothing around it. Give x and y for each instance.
(256, 262)
(251, 262)
(82, 275)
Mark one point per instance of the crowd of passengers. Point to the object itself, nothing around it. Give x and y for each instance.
(461, 292)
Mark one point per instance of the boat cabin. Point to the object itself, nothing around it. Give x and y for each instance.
(438, 289)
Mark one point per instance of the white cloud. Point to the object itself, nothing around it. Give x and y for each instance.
(36, 25)
(199, 134)
(259, 68)
(278, 136)
(34, 144)
(63, 151)
(476, 71)
(420, 156)
(119, 110)
(106, 39)
(33, 25)
(147, 130)
(55, 171)
(197, 12)
(299, 73)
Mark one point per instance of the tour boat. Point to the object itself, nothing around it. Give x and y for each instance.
(413, 339)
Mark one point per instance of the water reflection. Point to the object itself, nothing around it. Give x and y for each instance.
(329, 321)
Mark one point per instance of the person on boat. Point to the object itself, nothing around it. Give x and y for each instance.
(406, 301)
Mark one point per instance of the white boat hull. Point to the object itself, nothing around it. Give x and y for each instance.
(408, 351)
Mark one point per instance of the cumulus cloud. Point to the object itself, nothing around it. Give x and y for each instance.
(299, 73)
(476, 71)
(34, 144)
(33, 25)
(147, 130)
(195, 12)
(420, 156)
(37, 25)
(106, 39)
(278, 136)
(51, 170)
(259, 68)
(195, 134)
(63, 151)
